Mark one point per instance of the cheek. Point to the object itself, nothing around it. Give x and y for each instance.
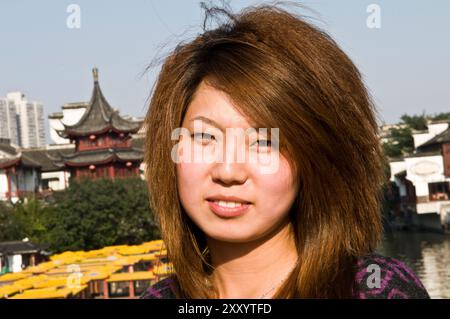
(190, 177)
(276, 192)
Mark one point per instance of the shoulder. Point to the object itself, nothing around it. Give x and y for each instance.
(381, 277)
(163, 289)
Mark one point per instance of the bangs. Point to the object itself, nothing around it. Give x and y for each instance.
(250, 78)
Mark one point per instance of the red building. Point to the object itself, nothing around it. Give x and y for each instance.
(103, 146)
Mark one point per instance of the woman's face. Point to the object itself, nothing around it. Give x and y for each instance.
(204, 180)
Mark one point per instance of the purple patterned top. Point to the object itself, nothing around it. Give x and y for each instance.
(378, 277)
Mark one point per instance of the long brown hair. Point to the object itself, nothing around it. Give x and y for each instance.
(282, 72)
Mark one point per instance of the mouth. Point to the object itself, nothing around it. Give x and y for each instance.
(227, 200)
(228, 208)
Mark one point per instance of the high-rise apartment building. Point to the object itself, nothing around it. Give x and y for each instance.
(8, 121)
(28, 129)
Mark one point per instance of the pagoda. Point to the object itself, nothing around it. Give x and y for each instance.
(103, 147)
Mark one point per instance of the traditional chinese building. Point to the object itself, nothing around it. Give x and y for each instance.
(19, 173)
(17, 255)
(423, 178)
(102, 138)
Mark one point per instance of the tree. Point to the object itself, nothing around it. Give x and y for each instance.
(137, 224)
(441, 116)
(30, 218)
(7, 227)
(91, 214)
(24, 219)
(415, 122)
(401, 141)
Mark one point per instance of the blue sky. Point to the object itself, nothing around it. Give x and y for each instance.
(405, 63)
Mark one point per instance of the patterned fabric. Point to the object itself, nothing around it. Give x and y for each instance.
(397, 281)
(378, 277)
(164, 289)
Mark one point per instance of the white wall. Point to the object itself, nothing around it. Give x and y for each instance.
(433, 130)
(421, 138)
(425, 208)
(3, 184)
(71, 116)
(56, 124)
(15, 263)
(60, 183)
(27, 180)
(396, 167)
(423, 170)
(442, 208)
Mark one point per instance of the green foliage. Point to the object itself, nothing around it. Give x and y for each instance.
(441, 116)
(401, 142)
(93, 214)
(25, 219)
(415, 122)
(7, 227)
(30, 218)
(87, 215)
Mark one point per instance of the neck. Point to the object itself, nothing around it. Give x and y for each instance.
(249, 270)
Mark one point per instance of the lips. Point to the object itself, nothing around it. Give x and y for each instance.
(225, 211)
(228, 206)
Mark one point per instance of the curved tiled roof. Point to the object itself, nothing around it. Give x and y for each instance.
(22, 247)
(49, 160)
(102, 156)
(14, 157)
(99, 117)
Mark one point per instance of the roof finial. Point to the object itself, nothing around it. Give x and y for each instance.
(95, 74)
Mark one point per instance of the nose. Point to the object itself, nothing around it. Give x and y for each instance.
(228, 173)
(229, 170)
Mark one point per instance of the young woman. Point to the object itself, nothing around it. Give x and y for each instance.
(298, 216)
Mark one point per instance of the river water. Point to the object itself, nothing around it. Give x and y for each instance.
(428, 254)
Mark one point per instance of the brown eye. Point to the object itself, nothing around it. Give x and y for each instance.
(202, 136)
(262, 143)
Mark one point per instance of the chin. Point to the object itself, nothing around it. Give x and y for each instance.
(232, 239)
(232, 236)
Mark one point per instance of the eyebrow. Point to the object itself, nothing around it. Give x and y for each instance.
(209, 121)
(212, 122)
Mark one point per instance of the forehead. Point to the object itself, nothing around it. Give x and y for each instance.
(216, 105)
